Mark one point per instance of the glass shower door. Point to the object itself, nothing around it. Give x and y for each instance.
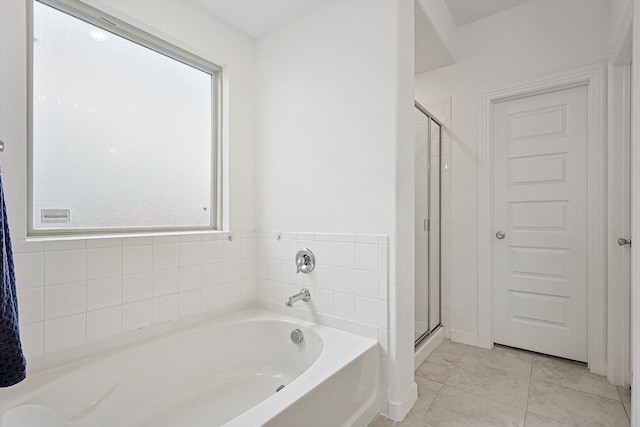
(428, 137)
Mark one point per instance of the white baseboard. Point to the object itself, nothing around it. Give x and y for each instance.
(427, 346)
(465, 338)
(400, 408)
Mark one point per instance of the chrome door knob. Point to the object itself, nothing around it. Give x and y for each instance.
(622, 241)
(500, 235)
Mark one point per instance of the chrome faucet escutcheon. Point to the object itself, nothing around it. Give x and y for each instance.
(303, 295)
(305, 261)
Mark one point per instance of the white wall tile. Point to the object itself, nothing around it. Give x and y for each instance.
(274, 292)
(287, 235)
(64, 245)
(104, 243)
(367, 283)
(324, 253)
(351, 238)
(22, 247)
(272, 247)
(344, 280)
(103, 293)
(288, 272)
(212, 274)
(306, 243)
(190, 278)
(211, 297)
(104, 323)
(367, 257)
(211, 251)
(324, 237)
(232, 249)
(65, 266)
(165, 308)
(190, 302)
(247, 269)
(248, 290)
(65, 332)
(165, 256)
(261, 289)
(344, 254)
(136, 259)
(272, 270)
(383, 263)
(345, 305)
(248, 248)
(29, 270)
(383, 287)
(65, 299)
(367, 238)
(192, 237)
(137, 315)
(367, 311)
(306, 236)
(232, 271)
(231, 293)
(324, 277)
(322, 301)
(31, 305)
(160, 240)
(136, 287)
(306, 280)
(165, 282)
(104, 262)
(137, 241)
(383, 314)
(32, 338)
(288, 249)
(190, 253)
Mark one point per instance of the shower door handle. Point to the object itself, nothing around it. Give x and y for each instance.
(500, 235)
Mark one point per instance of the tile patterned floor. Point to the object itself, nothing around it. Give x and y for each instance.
(460, 385)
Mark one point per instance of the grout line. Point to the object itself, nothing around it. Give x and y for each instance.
(623, 405)
(526, 408)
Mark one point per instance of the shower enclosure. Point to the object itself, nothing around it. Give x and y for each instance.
(428, 142)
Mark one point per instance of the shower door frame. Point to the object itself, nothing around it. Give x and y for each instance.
(433, 329)
(594, 77)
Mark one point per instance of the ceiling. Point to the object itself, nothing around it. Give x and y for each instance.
(257, 18)
(466, 11)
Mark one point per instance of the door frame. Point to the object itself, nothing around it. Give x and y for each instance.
(619, 271)
(594, 78)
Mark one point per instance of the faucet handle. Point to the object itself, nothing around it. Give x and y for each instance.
(305, 260)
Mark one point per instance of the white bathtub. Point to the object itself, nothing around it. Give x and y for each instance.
(219, 372)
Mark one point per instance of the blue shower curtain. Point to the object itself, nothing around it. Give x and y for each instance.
(13, 366)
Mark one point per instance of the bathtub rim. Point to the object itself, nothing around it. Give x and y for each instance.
(328, 363)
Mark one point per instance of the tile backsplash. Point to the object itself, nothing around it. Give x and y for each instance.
(79, 291)
(76, 292)
(349, 281)
(349, 284)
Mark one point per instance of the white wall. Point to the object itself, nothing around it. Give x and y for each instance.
(72, 292)
(532, 40)
(324, 121)
(334, 129)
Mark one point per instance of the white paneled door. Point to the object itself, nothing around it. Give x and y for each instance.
(540, 221)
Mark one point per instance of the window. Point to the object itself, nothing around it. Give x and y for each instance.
(124, 128)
